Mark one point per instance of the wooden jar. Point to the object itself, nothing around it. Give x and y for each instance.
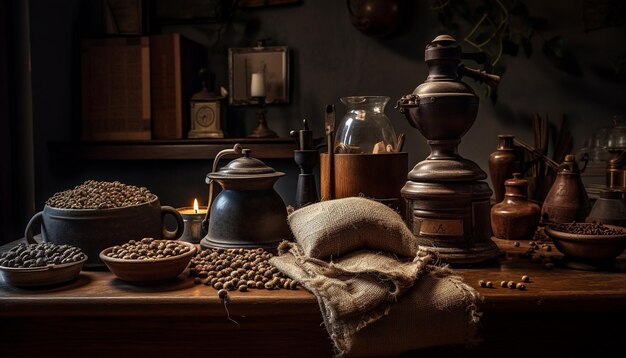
(375, 176)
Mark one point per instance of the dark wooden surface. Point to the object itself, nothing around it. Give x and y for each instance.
(562, 312)
(273, 148)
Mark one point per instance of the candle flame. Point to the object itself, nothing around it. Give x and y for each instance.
(195, 205)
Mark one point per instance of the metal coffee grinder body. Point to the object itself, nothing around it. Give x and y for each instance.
(448, 203)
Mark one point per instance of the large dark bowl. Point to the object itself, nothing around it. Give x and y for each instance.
(93, 230)
(589, 247)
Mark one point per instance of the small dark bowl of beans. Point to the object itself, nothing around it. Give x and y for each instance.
(148, 260)
(38, 265)
(588, 241)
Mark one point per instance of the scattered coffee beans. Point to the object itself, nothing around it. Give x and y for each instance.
(147, 249)
(39, 255)
(100, 195)
(238, 269)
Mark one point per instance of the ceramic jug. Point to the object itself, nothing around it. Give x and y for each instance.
(515, 218)
(567, 200)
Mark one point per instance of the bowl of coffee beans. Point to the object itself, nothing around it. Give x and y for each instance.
(148, 260)
(98, 214)
(42, 264)
(588, 241)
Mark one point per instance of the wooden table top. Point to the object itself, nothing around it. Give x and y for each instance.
(99, 293)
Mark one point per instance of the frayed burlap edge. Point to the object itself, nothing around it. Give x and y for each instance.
(341, 331)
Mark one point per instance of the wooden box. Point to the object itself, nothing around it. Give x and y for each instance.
(174, 64)
(115, 89)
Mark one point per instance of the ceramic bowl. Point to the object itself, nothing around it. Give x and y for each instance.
(42, 276)
(149, 271)
(590, 247)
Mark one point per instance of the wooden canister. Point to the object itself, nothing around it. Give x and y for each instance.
(375, 176)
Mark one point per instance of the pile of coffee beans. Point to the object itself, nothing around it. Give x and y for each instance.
(147, 249)
(586, 229)
(238, 269)
(100, 195)
(39, 255)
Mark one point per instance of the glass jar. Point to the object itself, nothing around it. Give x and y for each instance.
(365, 129)
(616, 136)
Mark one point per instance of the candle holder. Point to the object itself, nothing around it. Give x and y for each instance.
(262, 130)
(192, 219)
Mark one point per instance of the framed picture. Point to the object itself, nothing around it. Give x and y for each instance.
(176, 12)
(271, 63)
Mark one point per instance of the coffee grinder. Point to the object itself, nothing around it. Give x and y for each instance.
(448, 203)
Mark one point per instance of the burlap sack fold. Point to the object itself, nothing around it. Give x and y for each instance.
(335, 227)
(373, 302)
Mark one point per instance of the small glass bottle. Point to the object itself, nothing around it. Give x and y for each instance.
(516, 217)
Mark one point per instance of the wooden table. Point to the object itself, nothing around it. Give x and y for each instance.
(562, 312)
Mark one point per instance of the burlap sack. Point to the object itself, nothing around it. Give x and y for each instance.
(357, 294)
(336, 227)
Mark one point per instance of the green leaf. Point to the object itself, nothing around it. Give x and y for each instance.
(561, 57)
(527, 46)
(509, 47)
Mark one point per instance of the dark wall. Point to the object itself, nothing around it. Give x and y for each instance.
(330, 59)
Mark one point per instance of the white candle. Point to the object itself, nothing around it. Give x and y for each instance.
(257, 85)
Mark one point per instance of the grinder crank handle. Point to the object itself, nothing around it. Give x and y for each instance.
(480, 75)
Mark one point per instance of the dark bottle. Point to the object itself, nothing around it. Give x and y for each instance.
(567, 200)
(515, 218)
(502, 164)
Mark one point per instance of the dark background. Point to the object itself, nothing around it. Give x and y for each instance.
(40, 92)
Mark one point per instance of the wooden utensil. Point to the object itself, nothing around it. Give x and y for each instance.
(330, 128)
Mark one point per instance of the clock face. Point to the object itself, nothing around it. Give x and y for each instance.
(205, 116)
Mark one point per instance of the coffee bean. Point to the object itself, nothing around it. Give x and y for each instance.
(39, 255)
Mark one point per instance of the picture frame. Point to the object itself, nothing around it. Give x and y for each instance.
(272, 61)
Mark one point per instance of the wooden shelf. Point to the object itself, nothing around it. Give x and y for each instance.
(270, 148)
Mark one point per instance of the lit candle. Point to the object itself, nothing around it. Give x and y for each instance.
(257, 85)
(192, 218)
(195, 210)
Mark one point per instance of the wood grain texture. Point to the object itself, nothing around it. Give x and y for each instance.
(562, 311)
(203, 149)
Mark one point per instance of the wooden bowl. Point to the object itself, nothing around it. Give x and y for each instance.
(150, 270)
(589, 247)
(42, 276)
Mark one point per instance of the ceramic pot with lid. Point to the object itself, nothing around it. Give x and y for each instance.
(248, 212)
(515, 218)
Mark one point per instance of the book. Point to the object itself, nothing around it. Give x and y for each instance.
(174, 62)
(115, 93)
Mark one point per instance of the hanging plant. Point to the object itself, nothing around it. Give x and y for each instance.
(499, 28)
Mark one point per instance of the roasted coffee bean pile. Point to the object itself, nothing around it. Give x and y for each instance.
(147, 249)
(39, 255)
(100, 195)
(238, 269)
(586, 229)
